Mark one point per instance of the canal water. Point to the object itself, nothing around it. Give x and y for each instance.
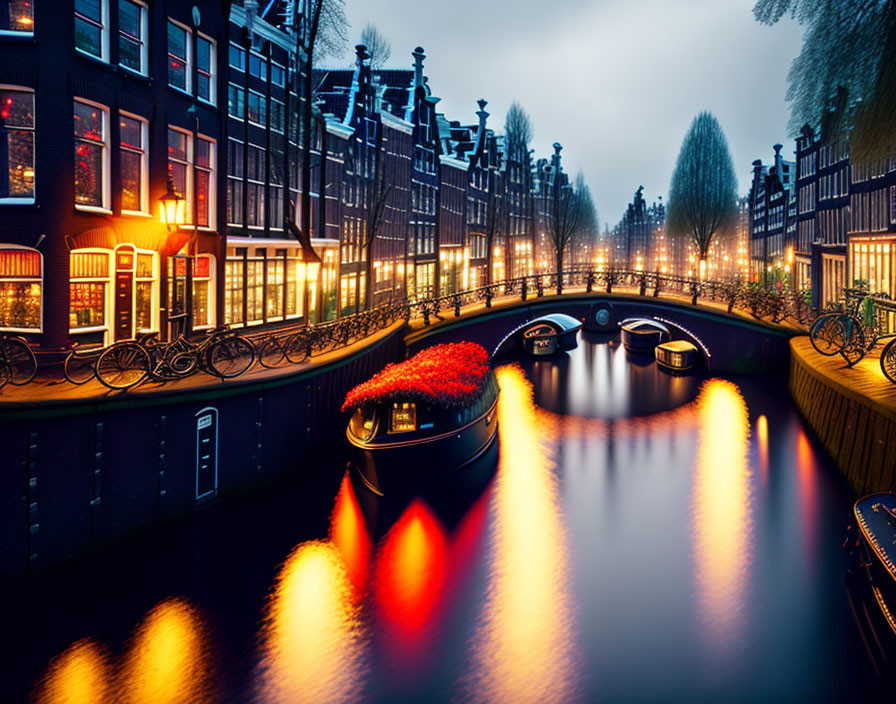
(633, 537)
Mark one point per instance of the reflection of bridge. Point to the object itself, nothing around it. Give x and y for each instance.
(731, 342)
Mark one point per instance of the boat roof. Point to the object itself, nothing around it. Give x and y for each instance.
(446, 376)
(678, 346)
(565, 322)
(635, 323)
(876, 516)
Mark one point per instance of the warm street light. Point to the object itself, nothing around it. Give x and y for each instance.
(173, 207)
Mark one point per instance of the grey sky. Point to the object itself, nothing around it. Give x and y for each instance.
(616, 82)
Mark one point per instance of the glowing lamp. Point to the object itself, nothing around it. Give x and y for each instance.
(173, 208)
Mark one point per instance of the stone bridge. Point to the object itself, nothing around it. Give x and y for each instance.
(732, 343)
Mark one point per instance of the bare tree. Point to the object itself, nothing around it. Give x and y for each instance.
(377, 194)
(377, 45)
(848, 47)
(494, 224)
(589, 226)
(518, 132)
(566, 219)
(703, 192)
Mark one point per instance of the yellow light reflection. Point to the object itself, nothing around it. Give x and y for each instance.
(525, 648)
(762, 438)
(722, 514)
(169, 660)
(312, 643)
(79, 676)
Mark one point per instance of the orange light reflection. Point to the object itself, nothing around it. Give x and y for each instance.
(722, 515)
(80, 675)
(808, 487)
(762, 439)
(525, 646)
(349, 533)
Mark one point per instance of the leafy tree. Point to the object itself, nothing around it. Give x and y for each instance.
(377, 45)
(703, 192)
(850, 48)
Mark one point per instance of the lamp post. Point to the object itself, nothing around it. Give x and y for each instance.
(172, 207)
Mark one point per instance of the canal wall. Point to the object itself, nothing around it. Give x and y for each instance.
(851, 412)
(81, 474)
(732, 343)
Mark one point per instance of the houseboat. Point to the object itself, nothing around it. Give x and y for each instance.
(549, 334)
(876, 519)
(676, 355)
(422, 418)
(643, 334)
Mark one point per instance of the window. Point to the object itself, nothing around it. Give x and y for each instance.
(133, 164)
(205, 69)
(178, 57)
(91, 28)
(255, 290)
(235, 182)
(237, 58)
(257, 108)
(91, 155)
(88, 289)
(234, 280)
(205, 184)
(132, 37)
(17, 174)
(17, 17)
(203, 292)
(258, 66)
(236, 101)
(183, 178)
(255, 188)
(145, 279)
(20, 289)
(278, 75)
(277, 112)
(274, 288)
(178, 165)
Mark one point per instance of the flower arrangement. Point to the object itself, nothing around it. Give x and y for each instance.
(444, 375)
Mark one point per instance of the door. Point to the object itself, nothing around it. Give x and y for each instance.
(206, 453)
(125, 262)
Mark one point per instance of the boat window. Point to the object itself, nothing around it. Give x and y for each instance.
(540, 331)
(404, 417)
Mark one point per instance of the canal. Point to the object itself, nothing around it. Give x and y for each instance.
(633, 537)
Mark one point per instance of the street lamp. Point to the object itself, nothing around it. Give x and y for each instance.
(173, 205)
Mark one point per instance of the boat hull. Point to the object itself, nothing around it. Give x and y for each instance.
(676, 360)
(641, 341)
(401, 466)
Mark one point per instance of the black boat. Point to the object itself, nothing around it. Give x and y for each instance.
(549, 334)
(643, 334)
(423, 418)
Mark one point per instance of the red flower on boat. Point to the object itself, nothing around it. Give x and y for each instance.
(447, 375)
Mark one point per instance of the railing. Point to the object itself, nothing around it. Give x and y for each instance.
(295, 344)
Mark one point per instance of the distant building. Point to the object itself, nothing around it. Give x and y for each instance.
(771, 193)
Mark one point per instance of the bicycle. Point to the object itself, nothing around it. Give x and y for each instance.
(289, 347)
(18, 364)
(844, 331)
(79, 366)
(130, 362)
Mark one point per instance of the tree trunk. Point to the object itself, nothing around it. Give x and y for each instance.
(559, 272)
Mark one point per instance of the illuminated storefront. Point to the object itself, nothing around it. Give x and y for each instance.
(263, 283)
(21, 285)
(871, 261)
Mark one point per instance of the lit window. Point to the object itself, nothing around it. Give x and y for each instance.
(132, 32)
(178, 57)
(17, 17)
(203, 292)
(91, 155)
(205, 184)
(403, 418)
(17, 119)
(234, 282)
(133, 164)
(179, 156)
(183, 177)
(205, 69)
(89, 275)
(20, 289)
(274, 289)
(92, 28)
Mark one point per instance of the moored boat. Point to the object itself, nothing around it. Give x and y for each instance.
(676, 355)
(423, 417)
(549, 334)
(643, 334)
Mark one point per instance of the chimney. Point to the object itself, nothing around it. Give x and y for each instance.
(482, 114)
(555, 159)
(418, 66)
(778, 170)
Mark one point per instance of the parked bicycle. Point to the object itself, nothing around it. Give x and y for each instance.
(222, 353)
(845, 331)
(17, 362)
(291, 347)
(79, 366)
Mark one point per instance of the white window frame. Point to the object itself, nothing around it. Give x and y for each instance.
(144, 40)
(107, 145)
(17, 32)
(210, 282)
(109, 280)
(155, 290)
(213, 73)
(144, 165)
(212, 171)
(104, 33)
(17, 200)
(188, 63)
(188, 186)
(14, 279)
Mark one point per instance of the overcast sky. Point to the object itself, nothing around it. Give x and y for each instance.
(616, 82)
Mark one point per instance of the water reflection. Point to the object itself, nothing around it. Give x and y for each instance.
(313, 644)
(525, 646)
(80, 675)
(722, 517)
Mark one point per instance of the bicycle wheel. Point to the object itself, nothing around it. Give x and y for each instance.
(21, 361)
(230, 356)
(888, 360)
(5, 374)
(78, 368)
(826, 334)
(183, 364)
(853, 348)
(123, 365)
(297, 348)
(271, 353)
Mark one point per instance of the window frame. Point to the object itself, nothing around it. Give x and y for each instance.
(106, 206)
(144, 164)
(108, 310)
(17, 32)
(212, 73)
(19, 200)
(104, 32)
(187, 60)
(143, 39)
(15, 329)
